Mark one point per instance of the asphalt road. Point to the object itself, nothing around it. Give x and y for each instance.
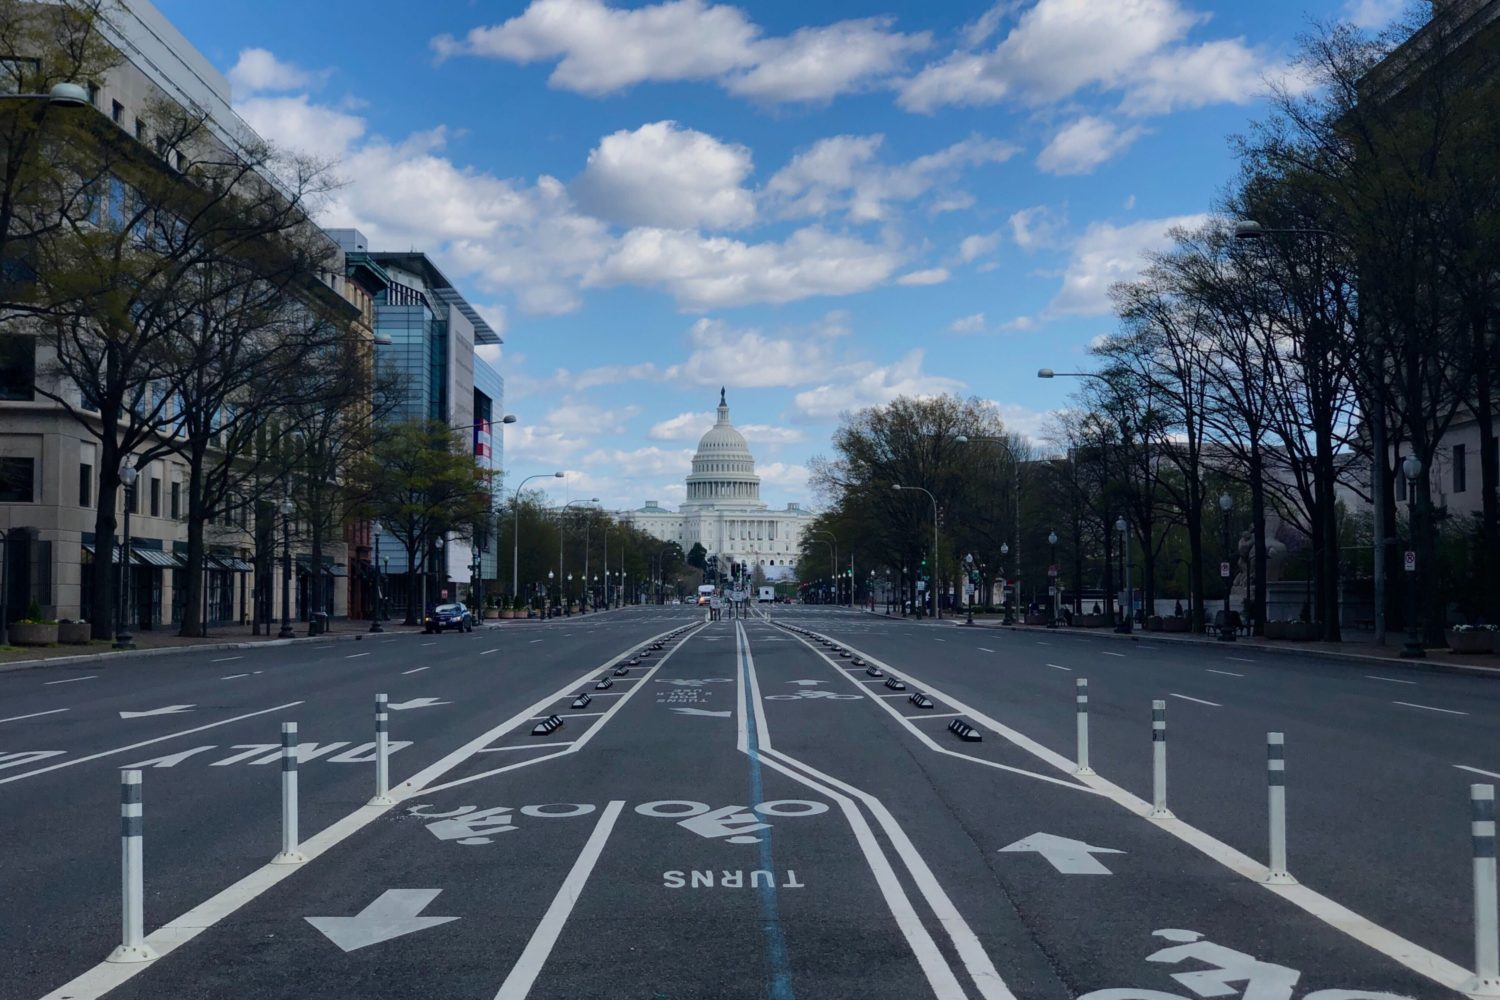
(745, 812)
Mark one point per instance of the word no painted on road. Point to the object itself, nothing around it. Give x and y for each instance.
(732, 824)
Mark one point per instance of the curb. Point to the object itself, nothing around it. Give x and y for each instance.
(1425, 665)
(212, 647)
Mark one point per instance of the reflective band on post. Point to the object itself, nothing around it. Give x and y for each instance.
(1277, 873)
(133, 947)
(290, 838)
(1486, 981)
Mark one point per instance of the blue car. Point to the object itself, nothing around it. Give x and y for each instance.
(446, 616)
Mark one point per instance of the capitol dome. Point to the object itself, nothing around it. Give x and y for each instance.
(723, 468)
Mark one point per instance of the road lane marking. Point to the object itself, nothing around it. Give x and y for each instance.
(355, 656)
(1226, 673)
(486, 652)
(526, 746)
(1475, 770)
(1059, 666)
(535, 641)
(433, 643)
(230, 677)
(568, 715)
(1426, 963)
(1041, 643)
(940, 715)
(1211, 704)
(893, 696)
(33, 715)
(523, 974)
(1108, 653)
(1429, 708)
(70, 680)
(147, 743)
(415, 670)
(983, 650)
(1388, 680)
(1238, 659)
(934, 965)
(226, 659)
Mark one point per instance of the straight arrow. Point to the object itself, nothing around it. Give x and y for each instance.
(169, 710)
(391, 915)
(702, 711)
(1070, 857)
(401, 706)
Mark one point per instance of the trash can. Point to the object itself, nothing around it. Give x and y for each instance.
(318, 624)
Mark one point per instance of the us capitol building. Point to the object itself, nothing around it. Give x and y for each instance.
(723, 510)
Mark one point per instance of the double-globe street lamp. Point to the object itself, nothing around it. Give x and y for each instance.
(1413, 649)
(561, 521)
(123, 638)
(1226, 630)
(286, 570)
(1054, 597)
(515, 554)
(379, 589)
(937, 607)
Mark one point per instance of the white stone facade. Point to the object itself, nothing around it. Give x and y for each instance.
(723, 510)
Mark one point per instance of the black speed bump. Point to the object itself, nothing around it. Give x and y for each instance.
(604, 684)
(964, 731)
(920, 700)
(633, 662)
(858, 662)
(622, 671)
(844, 654)
(582, 701)
(874, 671)
(547, 726)
(894, 684)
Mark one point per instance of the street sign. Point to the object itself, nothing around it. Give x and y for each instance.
(1224, 570)
(443, 593)
(1411, 561)
(921, 584)
(1051, 591)
(1052, 570)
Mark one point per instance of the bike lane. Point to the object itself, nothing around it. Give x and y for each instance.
(1071, 894)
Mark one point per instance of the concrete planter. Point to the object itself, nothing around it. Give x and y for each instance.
(1174, 624)
(74, 633)
(30, 634)
(1275, 630)
(1302, 631)
(1155, 623)
(1036, 619)
(1094, 621)
(1471, 642)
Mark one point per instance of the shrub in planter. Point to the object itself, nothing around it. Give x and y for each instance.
(74, 633)
(1036, 619)
(1472, 638)
(1155, 623)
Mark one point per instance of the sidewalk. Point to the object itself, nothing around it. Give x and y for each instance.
(1362, 649)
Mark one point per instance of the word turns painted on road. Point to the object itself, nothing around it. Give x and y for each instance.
(732, 824)
(761, 879)
(1228, 974)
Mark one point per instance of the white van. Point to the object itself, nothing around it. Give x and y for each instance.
(704, 593)
(766, 595)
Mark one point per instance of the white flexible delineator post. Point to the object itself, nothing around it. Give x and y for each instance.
(1486, 981)
(1159, 808)
(1083, 728)
(1276, 800)
(133, 946)
(290, 844)
(382, 763)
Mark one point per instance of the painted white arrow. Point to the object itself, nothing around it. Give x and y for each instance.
(1071, 857)
(169, 710)
(401, 706)
(702, 711)
(392, 914)
(807, 683)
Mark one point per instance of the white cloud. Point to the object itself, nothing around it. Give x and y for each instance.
(1372, 15)
(931, 276)
(816, 64)
(842, 174)
(968, 324)
(1029, 423)
(786, 476)
(665, 175)
(768, 434)
(867, 385)
(1036, 228)
(294, 123)
(603, 49)
(644, 462)
(574, 416)
(258, 71)
(1218, 72)
(726, 355)
(683, 427)
(971, 248)
(710, 272)
(1082, 145)
(1106, 254)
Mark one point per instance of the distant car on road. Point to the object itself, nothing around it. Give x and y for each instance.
(446, 616)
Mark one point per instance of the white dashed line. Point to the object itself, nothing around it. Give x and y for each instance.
(1388, 680)
(1238, 659)
(1059, 666)
(1108, 653)
(33, 715)
(226, 659)
(355, 656)
(70, 680)
(983, 650)
(486, 652)
(230, 677)
(535, 641)
(1211, 704)
(1226, 673)
(415, 670)
(433, 643)
(1475, 770)
(1429, 708)
(940, 715)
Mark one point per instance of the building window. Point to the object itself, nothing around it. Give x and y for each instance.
(140, 130)
(117, 113)
(85, 484)
(17, 480)
(1460, 472)
(176, 501)
(155, 497)
(17, 366)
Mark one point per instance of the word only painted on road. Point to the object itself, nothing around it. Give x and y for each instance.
(760, 879)
(687, 691)
(1222, 972)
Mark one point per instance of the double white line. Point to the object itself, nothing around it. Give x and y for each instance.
(935, 967)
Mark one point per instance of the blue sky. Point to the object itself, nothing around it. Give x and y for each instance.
(819, 206)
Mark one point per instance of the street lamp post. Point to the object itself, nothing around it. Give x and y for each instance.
(561, 513)
(515, 554)
(1055, 597)
(379, 590)
(937, 607)
(286, 570)
(1125, 626)
(1226, 632)
(1413, 649)
(969, 586)
(1010, 611)
(550, 577)
(123, 638)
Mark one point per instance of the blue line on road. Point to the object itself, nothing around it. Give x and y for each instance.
(770, 911)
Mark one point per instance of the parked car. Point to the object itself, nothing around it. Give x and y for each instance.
(446, 616)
